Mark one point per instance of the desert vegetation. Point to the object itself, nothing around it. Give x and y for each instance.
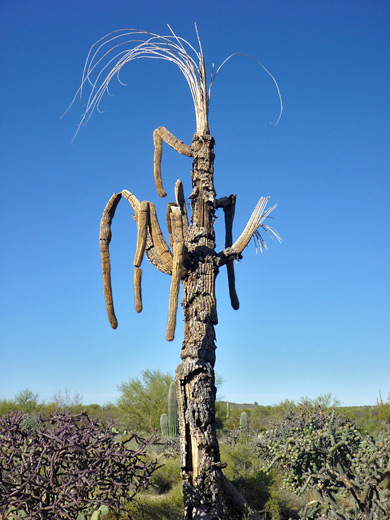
(309, 460)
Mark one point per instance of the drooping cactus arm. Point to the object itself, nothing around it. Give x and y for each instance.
(169, 222)
(137, 276)
(159, 135)
(104, 240)
(142, 232)
(150, 241)
(177, 269)
(251, 229)
(228, 204)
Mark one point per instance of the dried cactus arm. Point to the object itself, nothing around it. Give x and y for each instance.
(251, 229)
(169, 222)
(180, 200)
(104, 240)
(137, 276)
(156, 248)
(159, 135)
(142, 232)
(177, 269)
(229, 204)
(134, 202)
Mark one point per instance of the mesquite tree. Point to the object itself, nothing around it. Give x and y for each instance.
(190, 258)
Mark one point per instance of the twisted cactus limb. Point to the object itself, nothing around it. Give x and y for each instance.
(104, 240)
(159, 135)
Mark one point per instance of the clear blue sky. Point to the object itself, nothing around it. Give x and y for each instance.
(314, 315)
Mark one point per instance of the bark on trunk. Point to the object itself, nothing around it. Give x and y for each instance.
(200, 460)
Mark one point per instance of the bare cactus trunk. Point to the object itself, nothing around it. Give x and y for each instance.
(200, 461)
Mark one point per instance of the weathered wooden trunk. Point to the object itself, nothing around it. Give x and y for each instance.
(200, 461)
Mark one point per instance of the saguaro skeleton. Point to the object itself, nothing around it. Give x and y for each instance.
(190, 258)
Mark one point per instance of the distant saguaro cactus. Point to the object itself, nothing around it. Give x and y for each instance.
(172, 411)
(192, 258)
(164, 425)
(244, 422)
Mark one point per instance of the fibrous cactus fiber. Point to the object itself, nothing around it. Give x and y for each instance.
(191, 261)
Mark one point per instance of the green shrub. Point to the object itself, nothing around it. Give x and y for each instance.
(166, 477)
(245, 470)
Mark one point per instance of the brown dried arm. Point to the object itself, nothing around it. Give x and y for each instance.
(229, 204)
(156, 248)
(177, 269)
(159, 135)
(142, 232)
(105, 239)
(137, 276)
(180, 200)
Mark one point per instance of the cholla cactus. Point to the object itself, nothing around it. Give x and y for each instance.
(189, 256)
(323, 452)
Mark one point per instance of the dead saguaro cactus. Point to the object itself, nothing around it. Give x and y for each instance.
(190, 258)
